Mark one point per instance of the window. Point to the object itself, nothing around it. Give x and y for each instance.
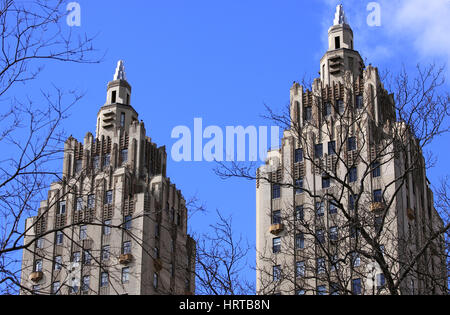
(38, 265)
(300, 269)
(333, 233)
(299, 186)
(76, 257)
(128, 99)
(359, 101)
(326, 181)
(104, 278)
(113, 97)
(173, 246)
(299, 213)
(340, 106)
(356, 286)
(126, 248)
(155, 280)
(353, 232)
(356, 260)
(320, 237)
(332, 208)
(59, 237)
(87, 257)
(62, 207)
(318, 151)
(319, 209)
(78, 165)
(156, 250)
(105, 252)
(91, 202)
(58, 263)
(83, 232)
(276, 217)
(276, 273)
(351, 201)
(376, 170)
(36, 288)
(334, 288)
(298, 155)
(125, 274)
(124, 156)
(79, 204)
(157, 228)
(40, 243)
(381, 281)
(178, 218)
(337, 42)
(353, 175)
(96, 162)
(378, 223)
(299, 241)
(107, 227)
(122, 120)
(55, 288)
(351, 144)
(377, 195)
(300, 292)
(276, 245)
(127, 222)
(327, 109)
(85, 283)
(276, 191)
(321, 290)
(332, 148)
(106, 160)
(109, 197)
(334, 262)
(308, 113)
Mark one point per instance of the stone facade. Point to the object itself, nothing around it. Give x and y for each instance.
(114, 224)
(345, 161)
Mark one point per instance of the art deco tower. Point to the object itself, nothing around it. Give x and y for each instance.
(344, 206)
(114, 224)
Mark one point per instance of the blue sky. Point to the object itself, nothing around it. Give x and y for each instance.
(223, 60)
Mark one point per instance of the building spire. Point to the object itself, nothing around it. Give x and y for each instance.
(120, 71)
(339, 17)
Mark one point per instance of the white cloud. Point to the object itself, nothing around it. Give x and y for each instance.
(420, 28)
(425, 22)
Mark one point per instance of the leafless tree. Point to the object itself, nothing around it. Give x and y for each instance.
(221, 263)
(347, 228)
(34, 33)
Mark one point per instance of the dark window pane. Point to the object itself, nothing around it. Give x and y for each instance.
(276, 191)
(298, 155)
(377, 195)
(308, 113)
(318, 150)
(299, 214)
(276, 217)
(299, 186)
(332, 148)
(353, 174)
(351, 144)
(376, 170)
(356, 286)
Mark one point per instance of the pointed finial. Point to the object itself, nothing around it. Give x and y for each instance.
(339, 17)
(120, 71)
